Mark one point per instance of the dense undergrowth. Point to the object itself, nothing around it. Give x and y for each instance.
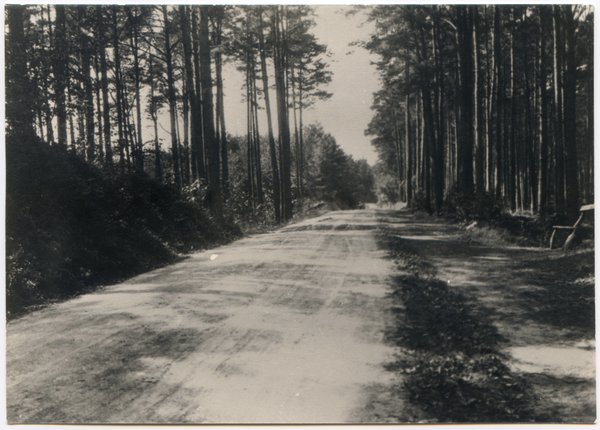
(451, 365)
(70, 228)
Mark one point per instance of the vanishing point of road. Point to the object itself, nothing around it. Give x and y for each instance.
(283, 327)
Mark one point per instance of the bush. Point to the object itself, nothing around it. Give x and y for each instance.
(258, 217)
(476, 206)
(389, 193)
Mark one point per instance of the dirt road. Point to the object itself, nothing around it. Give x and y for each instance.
(288, 327)
(284, 327)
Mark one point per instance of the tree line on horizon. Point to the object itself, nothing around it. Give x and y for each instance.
(87, 78)
(486, 101)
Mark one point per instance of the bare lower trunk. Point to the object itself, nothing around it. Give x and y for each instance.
(272, 150)
(210, 141)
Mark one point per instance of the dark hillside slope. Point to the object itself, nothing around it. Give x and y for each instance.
(68, 228)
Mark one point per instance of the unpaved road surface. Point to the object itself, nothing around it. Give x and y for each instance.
(284, 327)
(289, 327)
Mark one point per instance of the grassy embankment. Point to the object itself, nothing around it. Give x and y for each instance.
(70, 227)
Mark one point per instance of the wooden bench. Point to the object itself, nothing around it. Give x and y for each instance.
(574, 229)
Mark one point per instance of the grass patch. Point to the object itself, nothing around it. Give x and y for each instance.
(438, 320)
(405, 256)
(461, 388)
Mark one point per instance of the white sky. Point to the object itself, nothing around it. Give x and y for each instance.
(347, 113)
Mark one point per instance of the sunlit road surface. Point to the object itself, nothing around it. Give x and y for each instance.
(284, 327)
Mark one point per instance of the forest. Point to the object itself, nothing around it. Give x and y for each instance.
(486, 108)
(119, 158)
(95, 192)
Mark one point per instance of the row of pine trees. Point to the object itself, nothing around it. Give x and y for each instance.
(90, 78)
(493, 100)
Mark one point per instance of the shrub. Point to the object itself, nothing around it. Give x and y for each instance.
(474, 206)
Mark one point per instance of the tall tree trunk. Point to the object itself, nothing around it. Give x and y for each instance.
(512, 136)
(88, 100)
(296, 139)
(250, 118)
(529, 149)
(407, 139)
(250, 130)
(467, 122)
(79, 91)
(198, 159)
(398, 153)
(119, 92)
(48, 112)
(185, 157)
(139, 152)
(104, 84)
(254, 179)
(127, 129)
(489, 95)
(89, 110)
(429, 142)
(544, 138)
(559, 194)
(221, 106)
(101, 159)
(171, 99)
(272, 150)
(129, 132)
(439, 162)
(210, 141)
(60, 73)
(301, 126)
(589, 182)
(500, 104)
(257, 152)
(570, 117)
(190, 95)
(478, 114)
(282, 113)
(257, 162)
(70, 121)
(154, 115)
